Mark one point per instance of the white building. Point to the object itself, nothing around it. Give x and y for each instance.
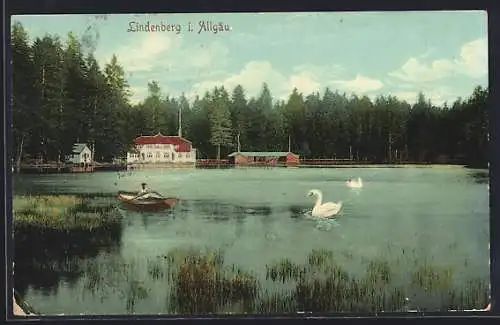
(160, 149)
(81, 154)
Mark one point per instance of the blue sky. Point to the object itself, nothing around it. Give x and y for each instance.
(443, 54)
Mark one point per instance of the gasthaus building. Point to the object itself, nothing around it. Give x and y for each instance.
(161, 150)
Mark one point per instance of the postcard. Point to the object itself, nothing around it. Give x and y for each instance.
(250, 163)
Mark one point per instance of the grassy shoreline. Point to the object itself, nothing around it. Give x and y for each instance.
(63, 212)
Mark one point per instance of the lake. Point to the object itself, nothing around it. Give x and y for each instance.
(258, 216)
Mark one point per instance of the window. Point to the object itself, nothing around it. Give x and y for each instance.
(150, 155)
(179, 154)
(157, 155)
(165, 155)
(187, 154)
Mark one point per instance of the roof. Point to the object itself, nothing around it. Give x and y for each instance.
(261, 154)
(78, 147)
(160, 139)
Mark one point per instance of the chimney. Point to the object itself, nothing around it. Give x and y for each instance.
(179, 133)
(239, 145)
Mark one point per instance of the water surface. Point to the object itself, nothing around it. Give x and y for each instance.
(260, 215)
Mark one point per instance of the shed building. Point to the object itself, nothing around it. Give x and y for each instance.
(264, 159)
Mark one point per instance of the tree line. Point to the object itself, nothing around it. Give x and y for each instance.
(60, 96)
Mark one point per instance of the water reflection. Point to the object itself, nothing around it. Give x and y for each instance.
(148, 218)
(223, 210)
(45, 259)
(480, 176)
(299, 211)
(210, 210)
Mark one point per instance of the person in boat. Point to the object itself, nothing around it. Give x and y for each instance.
(145, 192)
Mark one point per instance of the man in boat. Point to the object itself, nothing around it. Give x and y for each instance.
(145, 192)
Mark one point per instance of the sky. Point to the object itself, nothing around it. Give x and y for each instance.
(442, 54)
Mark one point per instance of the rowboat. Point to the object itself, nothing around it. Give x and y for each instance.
(131, 201)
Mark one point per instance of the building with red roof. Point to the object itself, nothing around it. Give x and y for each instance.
(159, 149)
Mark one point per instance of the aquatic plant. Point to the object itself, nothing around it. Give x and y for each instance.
(63, 212)
(53, 234)
(322, 285)
(203, 285)
(136, 290)
(195, 281)
(115, 277)
(431, 278)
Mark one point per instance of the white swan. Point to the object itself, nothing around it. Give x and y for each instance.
(323, 210)
(355, 183)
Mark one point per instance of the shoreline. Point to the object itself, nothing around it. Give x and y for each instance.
(37, 169)
(387, 166)
(343, 166)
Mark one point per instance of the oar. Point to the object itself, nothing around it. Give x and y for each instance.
(136, 197)
(140, 195)
(159, 194)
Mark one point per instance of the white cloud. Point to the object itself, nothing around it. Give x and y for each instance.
(251, 77)
(143, 52)
(360, 84)
(474, 58)
(157, 53)
(306, 78)
(255, 73)
(437, 96)
(415, 71)
(305, 82)
(473, 62)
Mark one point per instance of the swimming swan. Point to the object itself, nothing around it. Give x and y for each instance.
(323, 210)
(355, 183)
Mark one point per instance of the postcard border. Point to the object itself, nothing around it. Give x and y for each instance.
(95, 6)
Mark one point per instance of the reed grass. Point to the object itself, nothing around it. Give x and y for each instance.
(63, 212)
(200, 282)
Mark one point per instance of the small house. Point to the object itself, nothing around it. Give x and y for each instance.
(80, 155)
